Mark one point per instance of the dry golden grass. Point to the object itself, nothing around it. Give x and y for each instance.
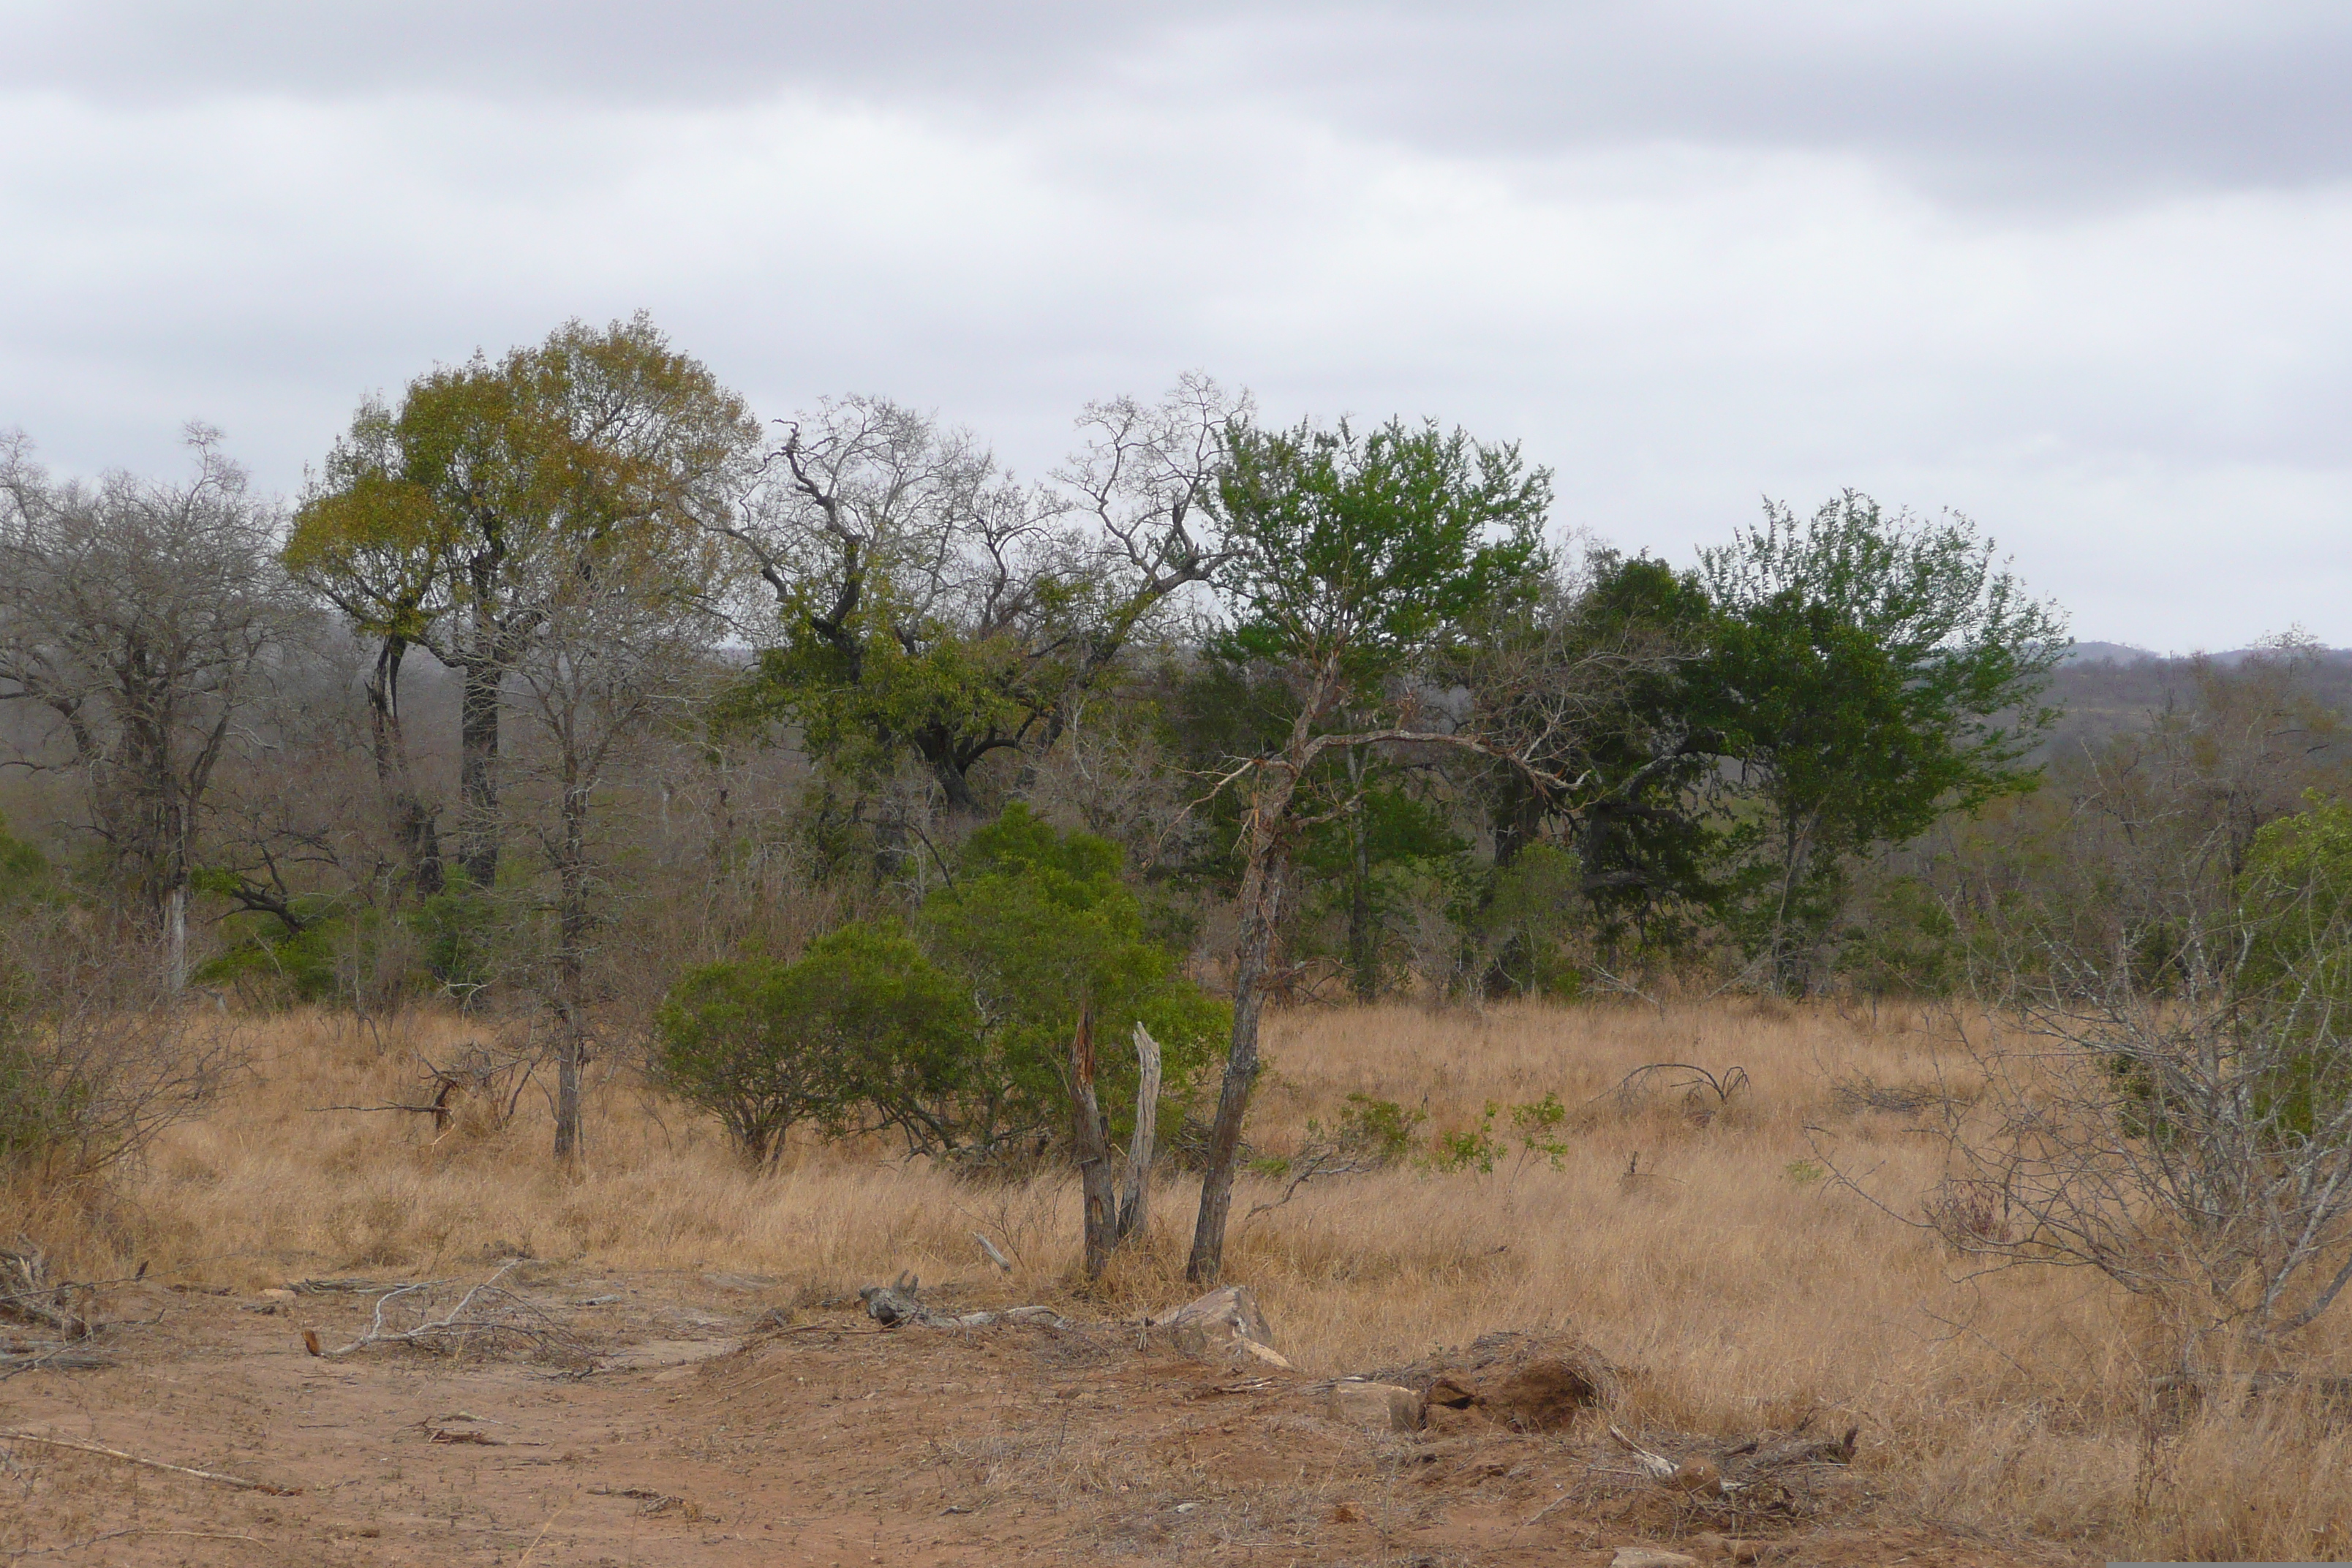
(1742, 1289)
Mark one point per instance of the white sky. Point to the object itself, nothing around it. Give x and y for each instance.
(2077, 269)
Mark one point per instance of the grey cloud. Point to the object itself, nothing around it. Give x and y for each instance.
(1998, 100)
(1980, 100)
(1683, 253)
(618, 51)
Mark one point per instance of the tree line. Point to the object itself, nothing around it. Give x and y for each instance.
(832, 770)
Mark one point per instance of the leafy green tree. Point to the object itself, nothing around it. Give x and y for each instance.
(1611, 653)
(1525, 919)
(1041, 929)
(1386, 827)
(2294, 910)
(1352, 561)
(862, 1021)
(1865, 674)
(955, 1033)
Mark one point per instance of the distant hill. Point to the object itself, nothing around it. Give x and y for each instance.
(2128, 653)
(2108, 686)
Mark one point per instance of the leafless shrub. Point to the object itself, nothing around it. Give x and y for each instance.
(1705, 1094)
(1858, 1091)
(2176, 1115)
(96, 1057)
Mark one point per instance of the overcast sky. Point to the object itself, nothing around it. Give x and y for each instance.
(2077, 270)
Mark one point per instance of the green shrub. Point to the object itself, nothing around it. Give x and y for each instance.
(862, 1030)
(1903, 942)
(1380, 1129)
(458, 927)
(24, 871)
(955, 1033)
(1535, 1127)
(316, 962)
(1472, 1147)
(1040, 927)
(1526, 920)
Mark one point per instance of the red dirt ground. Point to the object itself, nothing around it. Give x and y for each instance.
(705, 1434)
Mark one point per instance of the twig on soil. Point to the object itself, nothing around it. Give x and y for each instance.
(239, 1482)
(524, 1561)
(454, 1323)
(59, 1356)
(25, 1552)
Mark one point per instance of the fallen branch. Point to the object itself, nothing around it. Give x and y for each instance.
(1316, 1161)
(1656, 1466)
(239, 1482)
(1723, 1085)
(37, 1298)
(456, 1324)
(61, 1356)
(24, 1552)
(340, 1287)
(899, 1303)
(1697, 1477)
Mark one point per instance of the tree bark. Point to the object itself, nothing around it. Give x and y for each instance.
(1363, 940)
(412, 819)
(175, 940)
(571, 961)
(477, 783)
(1261, 903)
(567, 1091)
(1135, 1206)
(1095, 1179)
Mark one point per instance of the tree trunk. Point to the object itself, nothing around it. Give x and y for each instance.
(175, 939)
(477, 783)
(571, 959)
(948, 766)
(412, 819)
(1261, 902)
(1363, 934)
(1517, 817)
(1093, 1142)
(567, 1090)
(1135, 1207)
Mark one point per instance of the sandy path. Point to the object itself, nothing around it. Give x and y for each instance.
(704, 1437)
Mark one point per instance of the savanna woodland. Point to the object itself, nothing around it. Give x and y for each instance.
(599, 848)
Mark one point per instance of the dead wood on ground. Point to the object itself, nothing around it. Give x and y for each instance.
(239, 1482)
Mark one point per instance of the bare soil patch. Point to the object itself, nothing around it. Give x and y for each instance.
(716, 1422)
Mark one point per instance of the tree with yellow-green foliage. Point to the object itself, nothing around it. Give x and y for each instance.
(455, 521)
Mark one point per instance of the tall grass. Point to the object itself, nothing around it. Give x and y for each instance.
(1696, 1239)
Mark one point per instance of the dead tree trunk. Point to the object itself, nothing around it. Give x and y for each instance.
(1135, 1204)
(1093, 1139)
(1260, 906)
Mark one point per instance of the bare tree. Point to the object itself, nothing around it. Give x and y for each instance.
(2173, 1108)
(932, 605)
(141, 616)
(621, 646)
